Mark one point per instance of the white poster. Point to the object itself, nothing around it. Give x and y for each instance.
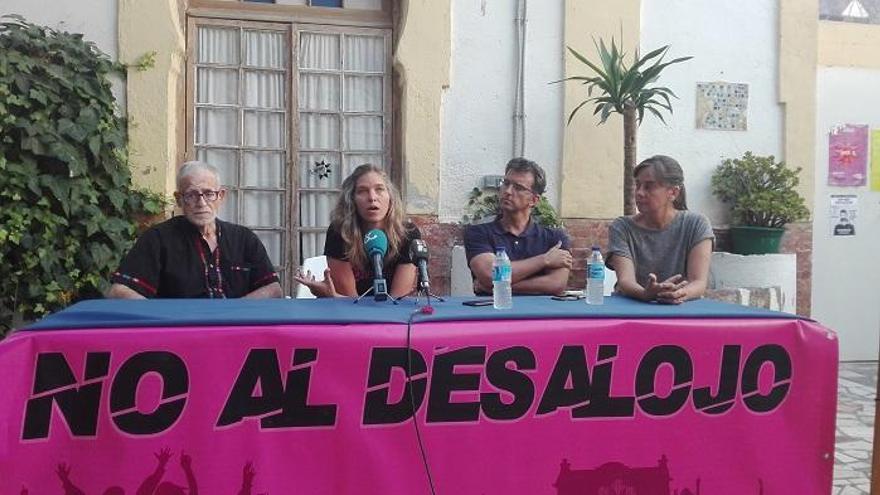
(844, 210)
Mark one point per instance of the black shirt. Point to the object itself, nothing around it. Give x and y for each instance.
(336, 247)
(172, 260)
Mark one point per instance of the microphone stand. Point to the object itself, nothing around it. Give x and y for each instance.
(425, 290)
(369, 291)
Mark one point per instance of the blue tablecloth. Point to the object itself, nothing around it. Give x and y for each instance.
(205, 312)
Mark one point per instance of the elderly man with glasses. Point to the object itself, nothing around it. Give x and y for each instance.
(196, 255)
(540, 256)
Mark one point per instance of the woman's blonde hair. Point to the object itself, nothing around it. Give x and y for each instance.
(347, 222)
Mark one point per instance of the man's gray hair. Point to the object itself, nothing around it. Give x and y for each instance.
(191, 167)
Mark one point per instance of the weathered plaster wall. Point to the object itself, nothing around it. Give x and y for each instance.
(731, 41)
(96, 20)
(155, 96)
(798, 39)
(478, 108)
(423, 61)
(592, 163)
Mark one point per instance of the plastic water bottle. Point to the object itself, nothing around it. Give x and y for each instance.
(502, 295)
(595, 277)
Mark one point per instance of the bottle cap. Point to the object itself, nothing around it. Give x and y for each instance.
(596, 248)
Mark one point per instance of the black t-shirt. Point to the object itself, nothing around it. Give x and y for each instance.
(172, 260)
(336, 247)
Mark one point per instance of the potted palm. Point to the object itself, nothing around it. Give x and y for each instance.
(763, 197)
(628, 89)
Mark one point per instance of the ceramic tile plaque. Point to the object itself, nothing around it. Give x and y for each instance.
(722, 106)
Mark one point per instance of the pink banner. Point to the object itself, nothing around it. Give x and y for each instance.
(848, 155)
(586, 406)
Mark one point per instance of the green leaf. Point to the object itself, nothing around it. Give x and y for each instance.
(69, 205)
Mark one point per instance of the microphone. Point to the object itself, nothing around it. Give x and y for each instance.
(418, 251)
(376, 245)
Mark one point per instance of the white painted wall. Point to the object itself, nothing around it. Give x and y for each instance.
(95, 19)
(731, 41)
(846, 272)
(478, 106)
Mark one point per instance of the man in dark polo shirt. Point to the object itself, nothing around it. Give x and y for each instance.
(196, 255)
(540, 256)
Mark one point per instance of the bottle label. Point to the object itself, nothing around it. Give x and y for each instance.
(597, 271)
(501, 273)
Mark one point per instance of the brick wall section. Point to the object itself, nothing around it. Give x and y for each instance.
(798, 239)
(584, 233)
(440, 238)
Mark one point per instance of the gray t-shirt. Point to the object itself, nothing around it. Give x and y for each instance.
(661, 252)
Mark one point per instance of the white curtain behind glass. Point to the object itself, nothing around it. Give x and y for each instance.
(241, 125)
(341, 118)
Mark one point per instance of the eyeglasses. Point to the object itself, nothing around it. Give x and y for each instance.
(192, 197)
(516, 186)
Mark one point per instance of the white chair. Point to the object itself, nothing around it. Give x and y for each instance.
(316, 265)
(461, 284)
(610, 281)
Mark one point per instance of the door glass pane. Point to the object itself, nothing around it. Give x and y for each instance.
(263, 169)
(365, 53)
(311, 244)
(355, 160)
(318, 131)
(363, 133)
(319, 91)
(218, 46)
(226, 162)
(264, 49)
(363, 93)
(272, 241)
(316, 208)
(263, 89)
(217, 86)
(264, 129)
(319, 51)
(320, 170)
(229, 207)
(216, 126)
(262, 208)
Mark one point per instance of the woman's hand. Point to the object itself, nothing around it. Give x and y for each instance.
(320, 288)
(669, 291)
(675, 294)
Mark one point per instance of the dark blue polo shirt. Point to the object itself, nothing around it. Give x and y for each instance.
(535, 240)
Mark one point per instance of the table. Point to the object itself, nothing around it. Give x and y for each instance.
(317, 396)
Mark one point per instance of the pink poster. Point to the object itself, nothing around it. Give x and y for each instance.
(555, 407)
(848, 155)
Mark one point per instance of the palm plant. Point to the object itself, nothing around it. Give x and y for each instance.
(626, 90)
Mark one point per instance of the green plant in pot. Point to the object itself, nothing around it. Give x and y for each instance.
(483, 205)
(763, 197)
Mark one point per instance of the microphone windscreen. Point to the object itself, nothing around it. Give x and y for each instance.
(375, 242)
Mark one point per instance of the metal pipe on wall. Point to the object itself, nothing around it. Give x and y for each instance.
(519, 116)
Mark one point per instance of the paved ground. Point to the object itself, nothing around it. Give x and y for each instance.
(857, 388)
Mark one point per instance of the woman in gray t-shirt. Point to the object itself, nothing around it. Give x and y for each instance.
(662, 253)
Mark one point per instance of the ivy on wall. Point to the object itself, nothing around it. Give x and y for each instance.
(68, 210)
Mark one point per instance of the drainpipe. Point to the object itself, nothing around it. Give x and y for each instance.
(519, 103)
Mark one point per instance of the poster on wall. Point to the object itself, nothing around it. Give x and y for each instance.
(843, 211)
(875, 160)
(722, 106)
(847, 155)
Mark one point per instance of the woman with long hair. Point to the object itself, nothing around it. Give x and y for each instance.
(662, 253)
(369, 200)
